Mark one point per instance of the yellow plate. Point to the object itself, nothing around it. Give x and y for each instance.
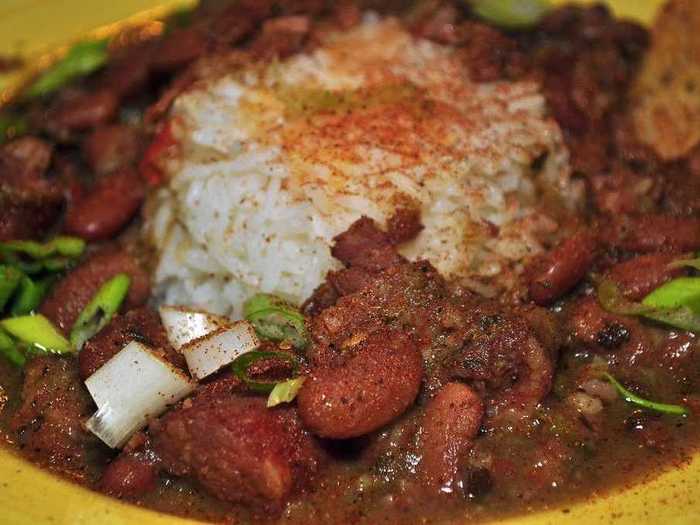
(29, 496)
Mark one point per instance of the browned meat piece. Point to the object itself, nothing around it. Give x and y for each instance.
(350, 280)
(488, 54)
(72, 293)
(364, 245)
(238, 449)
(681, 190)
(559, 270)
(639, 276)
(129, 74)
(439, 25)
(109, 206)
(655, 233)
(450, 423)
(140, 324)
(179, 49)
(30, 202)
(280, 37)
(130, 475)
(505, 353)
(49, 420)
(83, 111)
(404, 225)
(346, 14)
(323, 297)
(110, 147)
(370, 389)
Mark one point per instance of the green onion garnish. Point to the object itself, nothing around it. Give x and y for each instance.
(38, 331)
(242, 364)
(276, 319)
(630, 397)
(10, 278)
(29, 295)
(62, 245)
(676, 303)
(285, 392)
(82, 59)
(510, 14)
(100, 309)
(9, 350)
(12, 126)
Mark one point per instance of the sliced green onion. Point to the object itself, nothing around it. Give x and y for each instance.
(38, 331)
(29, 295)
(510, 14)
(9, 350)
(62, 245)
(10, 278)
(676, 410)
(242, 364)
(12, 126)
(276, 319)
(612, 300)
(690, 263)
(683, 291)
(82, 59)
(285, 392)
(100, 309)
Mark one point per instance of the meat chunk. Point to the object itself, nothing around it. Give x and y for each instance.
(30, 202)
(141, 324)
(48, 423)
(83, 111)
(72, 293)
(370, 389)
(238, 449)
(450, 423)
(364, 245)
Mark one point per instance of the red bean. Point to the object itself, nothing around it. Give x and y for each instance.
(639, 276)
(129, 475)
(561, 269)
(85, 111)
(451, 420)
(108, 208)
(179, 49)
(109, 147)
(72, 293)
(657, 233)
(368, 391)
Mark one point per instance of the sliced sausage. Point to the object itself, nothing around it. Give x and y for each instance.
(369, 390)
(108, 207)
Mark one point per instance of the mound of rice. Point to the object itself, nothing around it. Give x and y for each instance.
(276, 160)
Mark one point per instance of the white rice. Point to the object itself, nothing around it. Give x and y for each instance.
(261, 188)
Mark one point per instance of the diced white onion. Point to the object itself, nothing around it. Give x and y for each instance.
(208, 354)
(131, 388)
(184, 325)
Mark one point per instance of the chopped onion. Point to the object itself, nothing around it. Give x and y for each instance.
(184, 326)
(208, 354)
(131, 388)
